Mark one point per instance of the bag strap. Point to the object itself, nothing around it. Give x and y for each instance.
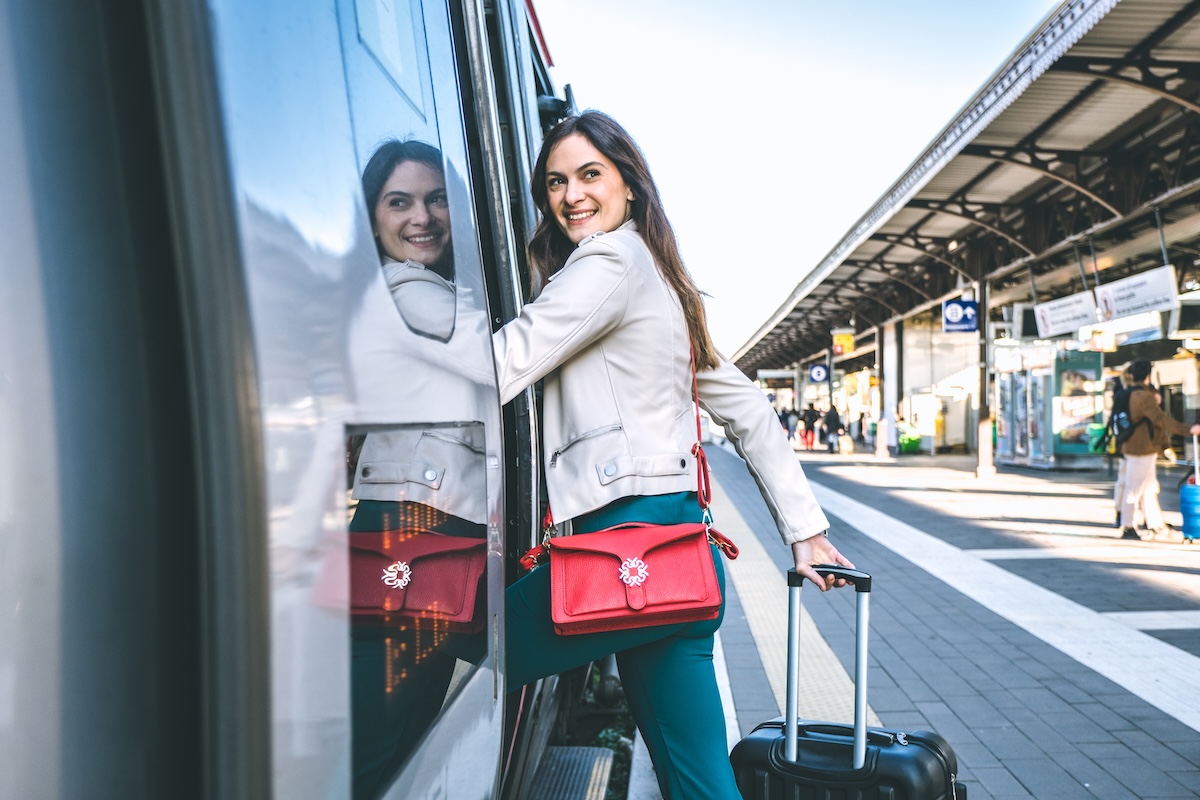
(703, 479)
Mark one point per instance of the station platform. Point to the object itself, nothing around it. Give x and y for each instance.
(1059, 660)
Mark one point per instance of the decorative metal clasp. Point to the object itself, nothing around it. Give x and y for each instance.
(633, 572)
(398, 575)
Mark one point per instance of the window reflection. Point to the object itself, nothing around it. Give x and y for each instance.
(417, 486)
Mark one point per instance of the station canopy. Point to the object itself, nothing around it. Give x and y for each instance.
(1072, 165)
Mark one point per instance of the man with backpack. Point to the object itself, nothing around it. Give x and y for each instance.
(1141, 436)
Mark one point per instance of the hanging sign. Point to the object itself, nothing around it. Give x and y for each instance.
(1065, 315)
(817, 373)
(1153, 290)
(843, 340)
(961, 316)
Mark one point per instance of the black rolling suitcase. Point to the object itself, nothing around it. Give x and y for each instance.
(788, 758)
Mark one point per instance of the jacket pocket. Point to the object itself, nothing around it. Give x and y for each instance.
(644, 466)
(583, 437)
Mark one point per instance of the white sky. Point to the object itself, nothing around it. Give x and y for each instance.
(771, 126)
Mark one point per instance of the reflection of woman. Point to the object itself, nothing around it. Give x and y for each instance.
(419, 480)
(610, 332)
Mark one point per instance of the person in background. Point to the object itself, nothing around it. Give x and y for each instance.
(1119, 485)
(811, 417)
(615, 331)
(833, 428)
(1152, 429)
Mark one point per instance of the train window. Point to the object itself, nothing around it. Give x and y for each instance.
(423, 459)
(381, 417)
(388, 29)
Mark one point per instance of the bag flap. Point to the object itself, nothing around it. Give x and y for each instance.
(408, 543)
(383, 564)
(627, 541)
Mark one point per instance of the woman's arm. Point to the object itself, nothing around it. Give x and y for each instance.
(581, 303)
(750, 424)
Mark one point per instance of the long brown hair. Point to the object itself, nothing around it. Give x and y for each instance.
(549, 248)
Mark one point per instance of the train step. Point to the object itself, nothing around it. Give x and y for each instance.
(573, 773)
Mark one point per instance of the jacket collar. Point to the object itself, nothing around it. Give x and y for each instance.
(627, 225)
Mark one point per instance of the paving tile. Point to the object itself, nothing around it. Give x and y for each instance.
(1008, 742)
(1092, 776)
(1043, 778)
(1146, 779)
(999, 783)
(1077, 728)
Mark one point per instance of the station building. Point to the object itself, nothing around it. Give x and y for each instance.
(1048, 236)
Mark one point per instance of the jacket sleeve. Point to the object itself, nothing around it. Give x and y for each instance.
(580, 304)
(1144, 405)
(751, 425)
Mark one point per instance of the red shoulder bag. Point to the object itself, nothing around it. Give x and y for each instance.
(635, 575)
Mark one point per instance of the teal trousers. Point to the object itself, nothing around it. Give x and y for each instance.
(666, 670)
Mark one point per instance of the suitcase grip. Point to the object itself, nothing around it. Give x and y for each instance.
(860, 579)
(862, 587)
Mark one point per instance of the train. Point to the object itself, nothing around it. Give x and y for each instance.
(207, 373)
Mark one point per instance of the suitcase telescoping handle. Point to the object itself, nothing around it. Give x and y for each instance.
(862, 589)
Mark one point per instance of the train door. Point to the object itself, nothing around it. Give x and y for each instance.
(381, 416)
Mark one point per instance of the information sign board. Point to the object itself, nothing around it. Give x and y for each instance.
(961, 316)
(1065, 315)
(1153, 290)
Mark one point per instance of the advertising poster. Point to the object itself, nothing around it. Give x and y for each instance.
(1078, 401)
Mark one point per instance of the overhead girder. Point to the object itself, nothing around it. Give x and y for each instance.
(1039, 160)
(1112, 69)
(955, 208)
(830, 300)
(860, 291)
(918, 243)
(793, 349)
(882, 267)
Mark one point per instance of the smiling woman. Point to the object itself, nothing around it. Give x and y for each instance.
(405, 185)
(617, 333)
(584, 189)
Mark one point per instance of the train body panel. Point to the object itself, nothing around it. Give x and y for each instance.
(201, 342)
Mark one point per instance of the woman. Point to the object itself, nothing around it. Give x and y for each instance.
(411, 480)
(611, 332)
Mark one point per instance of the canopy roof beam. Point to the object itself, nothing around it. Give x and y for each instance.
(922, 244)
(971, 212)
(1041, 162)
(892, 271)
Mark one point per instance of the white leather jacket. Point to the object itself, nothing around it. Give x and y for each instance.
(424, 364)
(609, 336)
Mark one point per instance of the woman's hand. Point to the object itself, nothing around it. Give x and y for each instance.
(819, 550)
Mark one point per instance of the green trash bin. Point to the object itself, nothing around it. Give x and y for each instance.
(1095, 437)
(910, 443)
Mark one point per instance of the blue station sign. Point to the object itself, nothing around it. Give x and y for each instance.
(960, 316)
